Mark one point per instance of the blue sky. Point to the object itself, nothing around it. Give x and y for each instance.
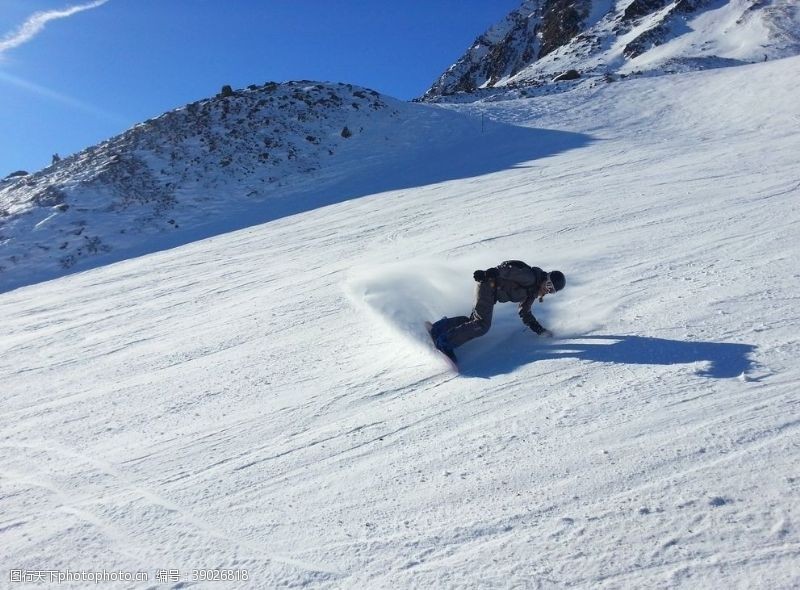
(72, 78)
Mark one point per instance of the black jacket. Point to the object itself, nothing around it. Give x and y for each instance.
(516, 281)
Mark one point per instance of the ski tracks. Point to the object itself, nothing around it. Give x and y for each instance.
(115, 507)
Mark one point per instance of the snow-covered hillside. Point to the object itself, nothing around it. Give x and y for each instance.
(265, 401)
(543, 41)
(224, 163)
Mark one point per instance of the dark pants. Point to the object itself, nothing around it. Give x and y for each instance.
(462, 329)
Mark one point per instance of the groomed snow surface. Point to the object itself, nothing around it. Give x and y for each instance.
(265, 400)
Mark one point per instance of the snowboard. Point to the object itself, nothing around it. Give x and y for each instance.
(452, 361)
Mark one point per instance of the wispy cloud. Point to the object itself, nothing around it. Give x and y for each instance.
(37, 21)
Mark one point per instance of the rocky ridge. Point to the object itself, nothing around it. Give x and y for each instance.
(545, 42)
(183, 168)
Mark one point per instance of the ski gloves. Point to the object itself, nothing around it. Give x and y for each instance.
(485, 275)
(534, 325)
(541, 330)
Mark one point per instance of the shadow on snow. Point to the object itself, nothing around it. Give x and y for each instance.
(500, 147)
(723, 360)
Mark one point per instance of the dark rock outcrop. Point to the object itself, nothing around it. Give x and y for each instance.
(541, 39)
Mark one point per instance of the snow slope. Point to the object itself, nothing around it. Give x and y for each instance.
(226, 163)
(264, 400)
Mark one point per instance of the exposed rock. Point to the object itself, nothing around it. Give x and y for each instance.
(640, 8)
(562, 20)
(502, 51)
(660, 33)
(568, 75)
(534, 44)
(17, 174)
(159, 174)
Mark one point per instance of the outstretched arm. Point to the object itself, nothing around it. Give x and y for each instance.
(529, 320)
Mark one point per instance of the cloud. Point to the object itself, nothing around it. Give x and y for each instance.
(34, 25)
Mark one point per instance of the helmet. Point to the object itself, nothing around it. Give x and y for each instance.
(558, 279)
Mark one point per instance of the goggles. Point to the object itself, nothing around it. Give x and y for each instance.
(548, 286)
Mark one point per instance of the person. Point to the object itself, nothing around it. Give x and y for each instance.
(512, 280)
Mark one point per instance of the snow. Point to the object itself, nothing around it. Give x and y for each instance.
(664, 38)
(219, 165)
(726, 31)
(264, 399)
(496, 33)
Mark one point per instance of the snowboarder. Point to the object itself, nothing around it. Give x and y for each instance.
(512, 280)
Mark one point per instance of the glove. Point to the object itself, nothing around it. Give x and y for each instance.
(485, 275)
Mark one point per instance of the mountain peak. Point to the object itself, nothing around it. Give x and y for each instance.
(239, 158)
(543, 39)
(184, 168)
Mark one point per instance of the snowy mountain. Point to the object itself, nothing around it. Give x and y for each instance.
(212, 166)
(547, 41)
(262, 407)
(250, 155)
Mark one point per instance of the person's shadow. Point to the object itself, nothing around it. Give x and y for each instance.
(721, 359)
